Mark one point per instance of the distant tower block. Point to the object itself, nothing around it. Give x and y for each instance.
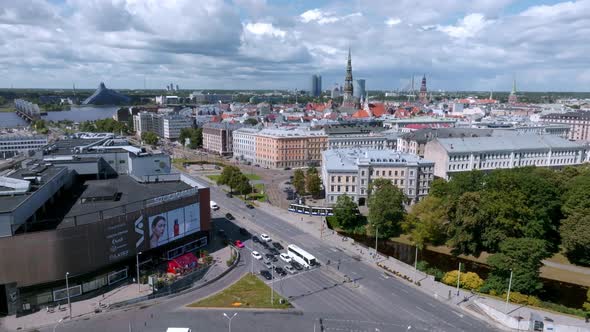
(423, 96)
(512, 99)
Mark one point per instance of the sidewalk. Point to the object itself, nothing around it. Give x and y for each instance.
(490, 309)
(86, 308)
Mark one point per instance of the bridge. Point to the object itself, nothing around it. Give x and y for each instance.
(26, 110)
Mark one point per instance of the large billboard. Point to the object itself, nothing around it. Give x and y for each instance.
(174, 224)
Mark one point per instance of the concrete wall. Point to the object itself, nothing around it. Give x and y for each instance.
(437, 154)
(149, 165)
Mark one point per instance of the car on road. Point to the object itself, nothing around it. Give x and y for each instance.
(271, 257)
(239, 244)
(257, 165)
(277, 245)
(213, 205)
(296, 265)
(290, 269)
(287, 168)
(279, 270)
(266, 274)
(249, 206)
(285, 258)
(256, 255)
(229, 216)
(265, 237)
(268, 264)
(244, 231)
(255, 239)
(229, 195)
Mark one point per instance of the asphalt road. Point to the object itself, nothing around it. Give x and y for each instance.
(320, 297)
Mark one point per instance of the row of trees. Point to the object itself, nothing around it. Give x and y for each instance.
(105, 126)
(307, 182)
(234, 178)
(149, 137)
(520, 216)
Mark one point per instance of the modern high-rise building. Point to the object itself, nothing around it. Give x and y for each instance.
(316, 85)
(359, 89)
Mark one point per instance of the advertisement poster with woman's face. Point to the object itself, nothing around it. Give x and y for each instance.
(175, 224)
(158, 230)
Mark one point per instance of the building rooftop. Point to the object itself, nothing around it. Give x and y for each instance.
(426, 134)
(507, 143)
(291, 133)
(349, 159)
(419, 119)
(578, 115)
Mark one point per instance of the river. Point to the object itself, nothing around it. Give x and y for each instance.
(76, 114)
(568, 294)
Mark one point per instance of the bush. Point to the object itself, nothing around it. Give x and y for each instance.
(518, 298)
(563, 309)
(433, 271)
(469, 280)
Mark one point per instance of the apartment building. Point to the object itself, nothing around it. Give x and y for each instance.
(280, 148)
(218, 137)
(244, 144)
(578, 121)
(455, 155)
(350, 171)
(164, 125)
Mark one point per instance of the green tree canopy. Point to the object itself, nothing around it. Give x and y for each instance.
(346, 212)
(313, 183)
(426, 222)
(230, 176)
(194, 135)
(523, 256)
(299, 181)
(386, 207)
(575, 237)
(149, 137)
(251, 121)
(242, 184)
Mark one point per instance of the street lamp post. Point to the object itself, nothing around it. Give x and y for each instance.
(68, 294)
(458, 278)
(272, 286)
(56, 324)
(229, 319)
(509, 286)
(137, 268)
(376, 237)
(416, 259)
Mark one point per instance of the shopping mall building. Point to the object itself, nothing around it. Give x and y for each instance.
(85, 206)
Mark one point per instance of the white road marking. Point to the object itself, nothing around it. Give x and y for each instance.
(458, 314)
(426, 312)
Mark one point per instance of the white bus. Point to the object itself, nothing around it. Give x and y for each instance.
(301, 256)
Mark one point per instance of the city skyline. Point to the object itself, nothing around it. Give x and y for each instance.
(258, 44)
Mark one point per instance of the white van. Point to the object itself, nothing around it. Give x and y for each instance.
(213, 206)
(178, 329)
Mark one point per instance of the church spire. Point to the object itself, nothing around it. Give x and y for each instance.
(348, 90)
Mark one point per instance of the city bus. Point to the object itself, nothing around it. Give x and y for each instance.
(301, 256)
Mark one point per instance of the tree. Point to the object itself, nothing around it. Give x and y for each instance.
(587, 303)
(230, 177)
(426, 222)
(346, 212)
(194, 135)
(521, 255)
(313, 183)
(575, 237)
(149, 138)
(299, 181)
(40, 126)
(465, 228)
(386, 207)
(242, 184)
(251, 121)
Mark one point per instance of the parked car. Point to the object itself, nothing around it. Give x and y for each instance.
(271, 257)
(266, 274)
(285, 258)
(265, 237)
(277, 245)
(273, 251)
(256, 255)
(257, 165)
(287, 168)
(290, 269)
(268, 264)
(264, 244)
(229, 216)
(255, 239)
(229, 195)
(249, 206)
(239, 244)
(244, 231)
(296, 265)
(279, 270)
(288, 182)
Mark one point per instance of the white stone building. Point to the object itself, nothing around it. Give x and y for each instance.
(349, 172)
(244, 142)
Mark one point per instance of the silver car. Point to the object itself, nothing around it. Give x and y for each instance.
(290, 269)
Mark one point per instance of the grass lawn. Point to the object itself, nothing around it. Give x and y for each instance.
(253, 177)
(248, 292)
(213, 177)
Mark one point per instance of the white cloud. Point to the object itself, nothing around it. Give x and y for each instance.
(393, 21)
(467, 27)
(322, 17)
(264, 29)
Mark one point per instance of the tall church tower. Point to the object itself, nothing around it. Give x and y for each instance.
(423, 92)
(512, 99)
(348, 90)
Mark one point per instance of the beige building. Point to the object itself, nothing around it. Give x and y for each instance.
(349, 172)
(280, 148)
(455, 155)
(579, 123)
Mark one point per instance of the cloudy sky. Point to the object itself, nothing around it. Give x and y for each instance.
(247, 44)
